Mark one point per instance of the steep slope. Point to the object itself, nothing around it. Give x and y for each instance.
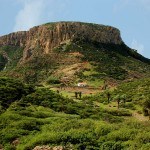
(70, 49)
(51, 35)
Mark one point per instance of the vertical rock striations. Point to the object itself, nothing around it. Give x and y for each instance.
(48, 36)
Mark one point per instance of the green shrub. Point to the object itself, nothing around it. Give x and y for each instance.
(102, 129)
(124, 134)
(12, 90)
(110, 145)
(130, 105)
(120, 112)
(146, 107)
(53, 80)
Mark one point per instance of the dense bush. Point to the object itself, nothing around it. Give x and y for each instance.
(43, 117)
(61, 129)
(12, 90)
(146, 107)
(12, 56)
(3, 61)
(53, 80)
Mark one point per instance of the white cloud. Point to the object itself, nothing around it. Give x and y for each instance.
(29, 15)
(35, 12)
(137, 46)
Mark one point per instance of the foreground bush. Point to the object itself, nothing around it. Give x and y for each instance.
(12, 90)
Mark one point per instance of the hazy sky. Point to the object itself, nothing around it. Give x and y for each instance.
(132, 17)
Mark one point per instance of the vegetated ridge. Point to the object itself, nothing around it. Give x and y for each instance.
(111, 113)
(80, 48)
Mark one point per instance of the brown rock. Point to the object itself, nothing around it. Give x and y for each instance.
(45, 147)
(1, 147)
(15, 142)
(58, 148)
(46, 37)
(42, 148)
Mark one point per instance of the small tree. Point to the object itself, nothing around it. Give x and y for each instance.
(123, 97)
(76, 94)
(118, 99)
(80, 95)
(108, 96)
(146, 107)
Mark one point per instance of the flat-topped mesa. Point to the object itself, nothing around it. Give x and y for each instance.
(51, 35)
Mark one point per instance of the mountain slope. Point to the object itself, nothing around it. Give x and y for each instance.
(70, 49)
(34, 116)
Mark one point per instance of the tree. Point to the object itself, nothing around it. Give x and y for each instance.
(76, 95)
(146, 107)
(123, 97)
(80, 95)
(12, 90)
(108, 96)
(118, 99)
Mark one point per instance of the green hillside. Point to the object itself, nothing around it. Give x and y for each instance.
(43, 106)
(105, 60)
(39, 116)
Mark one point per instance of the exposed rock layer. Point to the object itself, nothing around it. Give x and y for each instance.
(48, 36)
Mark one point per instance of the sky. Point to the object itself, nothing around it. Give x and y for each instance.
(131, 17)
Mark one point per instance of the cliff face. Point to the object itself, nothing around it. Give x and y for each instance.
(67, 49)
(51, 35)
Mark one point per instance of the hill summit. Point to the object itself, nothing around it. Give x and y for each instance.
(69, 49)
(52, 35)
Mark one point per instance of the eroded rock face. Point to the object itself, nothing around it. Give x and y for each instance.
(46, 37)
(17, 38)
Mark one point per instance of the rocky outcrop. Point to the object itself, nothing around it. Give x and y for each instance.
(16, 39)
(48, 36)
(49, 148)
